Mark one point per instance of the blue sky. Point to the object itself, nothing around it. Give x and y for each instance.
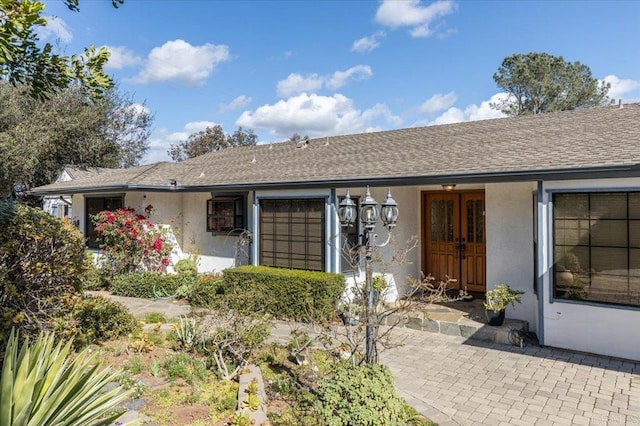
(332, 67)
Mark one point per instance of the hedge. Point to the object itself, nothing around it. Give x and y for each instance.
(142, 284)
(287, 294)
(205, 291)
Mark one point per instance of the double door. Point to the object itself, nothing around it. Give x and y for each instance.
(454, 238)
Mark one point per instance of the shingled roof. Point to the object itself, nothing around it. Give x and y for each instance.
(583, 143)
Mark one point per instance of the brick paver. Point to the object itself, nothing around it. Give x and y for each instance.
(466, 382)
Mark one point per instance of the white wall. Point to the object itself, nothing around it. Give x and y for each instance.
(510, 256)
(606, 330)
(404, 236)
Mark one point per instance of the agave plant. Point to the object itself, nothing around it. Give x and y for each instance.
(43, 384)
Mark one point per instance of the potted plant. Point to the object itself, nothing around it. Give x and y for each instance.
(497, 301)
(349, 313)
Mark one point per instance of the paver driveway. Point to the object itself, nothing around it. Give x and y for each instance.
(468, 382)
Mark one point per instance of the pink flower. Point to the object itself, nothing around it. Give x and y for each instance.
(165, 261)
(148, 209)
(157, 244)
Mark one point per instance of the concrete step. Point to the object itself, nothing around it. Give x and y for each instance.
(512, 332)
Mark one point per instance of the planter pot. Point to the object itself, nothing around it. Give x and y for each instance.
(495, 318)
(350, 320)
(564, 279)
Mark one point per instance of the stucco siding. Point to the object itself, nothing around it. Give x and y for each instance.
(510, 255)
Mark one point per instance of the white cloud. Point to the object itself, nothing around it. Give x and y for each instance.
(357, 73)
(367, 44)
(472, 112)
(296, 83)
(55, 28)
(139, 108)
(121, 57)
(620, 87)
(315, 115)
(438, 102)
(412, 14)
(162, 139)
(239, 102)
(179, 60)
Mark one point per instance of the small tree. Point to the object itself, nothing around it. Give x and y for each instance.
(131, 242)
(539, 83)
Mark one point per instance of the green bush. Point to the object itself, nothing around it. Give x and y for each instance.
(103, 319)
(186, 267)
(205, 290)
(284, 293)
(361, 395)
(42, 265)
(143, 284)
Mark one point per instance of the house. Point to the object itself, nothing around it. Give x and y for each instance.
(548, 203)
(61, 205)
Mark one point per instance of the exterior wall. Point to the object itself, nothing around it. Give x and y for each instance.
(510, 254)
(55, 205)
(584, 326)
(405, 235)
(216, 252)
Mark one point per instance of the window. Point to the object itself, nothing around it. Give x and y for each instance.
(93, 206)
(597, 247)
(226, 214)
(350, 238)
(292, 233)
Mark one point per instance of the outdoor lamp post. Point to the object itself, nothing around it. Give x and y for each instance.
(369, 215)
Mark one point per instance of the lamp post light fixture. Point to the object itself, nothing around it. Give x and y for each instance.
(369, 215)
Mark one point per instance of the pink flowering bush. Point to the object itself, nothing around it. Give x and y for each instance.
(131, 242)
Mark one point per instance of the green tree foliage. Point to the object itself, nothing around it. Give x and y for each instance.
(539, 83)
(23, 60)
(211, 139)
(45, 384)
(39, 137)
(42, 265)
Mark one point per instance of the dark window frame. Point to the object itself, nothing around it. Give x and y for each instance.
(584, 275)
(234, 219)
(278, 236)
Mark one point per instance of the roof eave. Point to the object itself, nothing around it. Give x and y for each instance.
(457, 178)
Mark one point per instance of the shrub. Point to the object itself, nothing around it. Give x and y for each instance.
(204, 290)
(186, 267)
(103, 319)
(131, 242)
(361, 395)
(147, 284)
(43, 384)
(42, 263)
(284, 293)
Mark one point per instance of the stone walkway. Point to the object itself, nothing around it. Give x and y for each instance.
(456, 381)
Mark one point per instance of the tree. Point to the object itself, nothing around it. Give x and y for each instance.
(23, 61)
(211, 139)
(539, 83)
(38, 137)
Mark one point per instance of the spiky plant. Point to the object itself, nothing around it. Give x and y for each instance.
(43, 384)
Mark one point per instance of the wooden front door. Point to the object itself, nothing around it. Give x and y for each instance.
(454, 238)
